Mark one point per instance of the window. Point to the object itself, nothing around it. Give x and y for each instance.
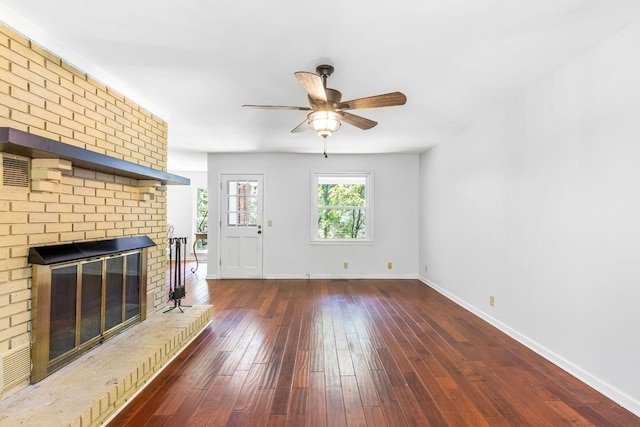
(242, 203)
(202, 213)
(342, 207)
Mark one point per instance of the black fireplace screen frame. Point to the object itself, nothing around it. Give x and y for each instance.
(56, 254)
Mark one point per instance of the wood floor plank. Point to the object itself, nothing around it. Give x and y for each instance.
(467, 408)
(330, 355)
(284, 383)
(227, 400)
(287, 368)
(375, 416)
(336, 416)
(316, 348)
(568, 414)
(345, 364)
(356, 353)
(352, 403)
(316, 401)
(392, 410)
(157, 421)
(260, 410)
(266, 341)
(410, 408)
(371, 355)
(253, 348)
(301, 369)
(428, 405)
(189, 402)
(250, 388)
(209, 402)
(368, 393)
(397, 343)
(275, 360)
(297, 407)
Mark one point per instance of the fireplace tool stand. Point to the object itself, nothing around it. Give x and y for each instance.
(177, 272)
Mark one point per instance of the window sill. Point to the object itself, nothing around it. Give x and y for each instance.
(330, 242)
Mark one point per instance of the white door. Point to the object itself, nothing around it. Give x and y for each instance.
(241, 226)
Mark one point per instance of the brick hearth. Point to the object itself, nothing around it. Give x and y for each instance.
(92, 388)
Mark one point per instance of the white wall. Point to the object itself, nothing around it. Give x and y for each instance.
(538, 204)
(181, 160)
(287, 251)
(181, 205)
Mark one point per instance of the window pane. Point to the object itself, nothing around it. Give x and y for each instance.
(202, 214)
(232, 219)
(341, 223)
(242, 203)
(232, 203)
(341, 195)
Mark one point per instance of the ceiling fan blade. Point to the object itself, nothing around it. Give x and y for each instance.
(385, 100)
(312, 84)
(357, 121)
(301, 127)
(277, 107)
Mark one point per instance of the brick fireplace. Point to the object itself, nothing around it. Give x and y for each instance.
(80, 163)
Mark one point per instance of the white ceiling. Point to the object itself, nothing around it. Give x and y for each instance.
(195, 62)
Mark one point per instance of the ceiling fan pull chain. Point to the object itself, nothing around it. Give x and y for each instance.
(325, 148)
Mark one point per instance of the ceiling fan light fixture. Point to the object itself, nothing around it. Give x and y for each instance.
(324, 123)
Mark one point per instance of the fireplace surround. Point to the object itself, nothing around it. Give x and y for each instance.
(83, 294)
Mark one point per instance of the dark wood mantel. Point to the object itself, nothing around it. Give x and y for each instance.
(22, 143)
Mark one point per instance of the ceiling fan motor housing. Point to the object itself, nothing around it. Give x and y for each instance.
(324, 70)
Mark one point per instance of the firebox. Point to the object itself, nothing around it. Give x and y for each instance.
(84, 293)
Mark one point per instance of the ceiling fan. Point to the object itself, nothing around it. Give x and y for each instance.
(327, 110)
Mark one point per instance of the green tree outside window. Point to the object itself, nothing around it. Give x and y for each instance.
(342, 208)
(202, 212)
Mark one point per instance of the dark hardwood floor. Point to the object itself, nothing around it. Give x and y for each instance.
(357, 353)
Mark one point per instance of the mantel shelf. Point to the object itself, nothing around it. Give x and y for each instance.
(22, 143)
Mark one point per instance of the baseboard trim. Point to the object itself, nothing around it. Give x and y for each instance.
(339, 276)
(611, 392)
(319, 276)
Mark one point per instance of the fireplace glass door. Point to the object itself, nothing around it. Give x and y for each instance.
(62, 327)
(132, 291)
(88, 301)
(91, 300)
(113, 295)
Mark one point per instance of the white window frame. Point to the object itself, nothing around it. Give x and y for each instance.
(368, 176)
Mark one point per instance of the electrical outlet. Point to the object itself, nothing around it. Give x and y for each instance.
(492, 301)
(269, 223)
(389, 265)
(345, 265)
